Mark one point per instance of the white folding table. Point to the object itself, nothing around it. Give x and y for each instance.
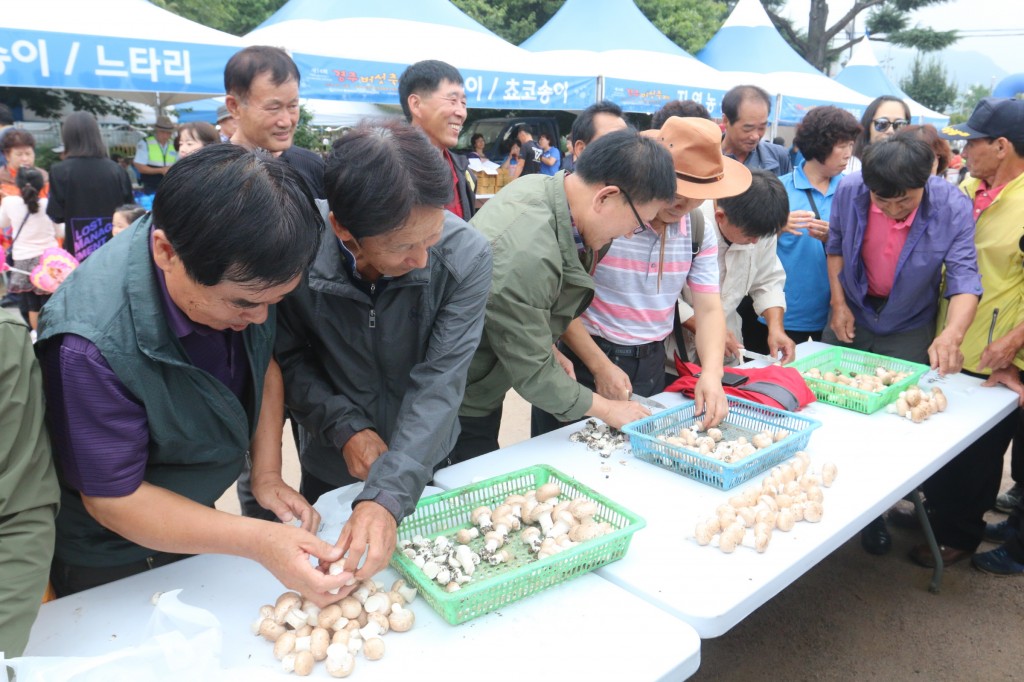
(880, 459)
(586, 628)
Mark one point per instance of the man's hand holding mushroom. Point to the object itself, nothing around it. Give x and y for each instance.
(285, 551)
(371, 530)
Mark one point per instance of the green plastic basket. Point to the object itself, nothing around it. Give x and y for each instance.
(850, 360)
(745, 419)
(493, 587)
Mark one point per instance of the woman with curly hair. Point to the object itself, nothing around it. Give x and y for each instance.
(826, 137)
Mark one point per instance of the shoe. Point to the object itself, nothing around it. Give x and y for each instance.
(999, 532)
(1011, 499)
(997, 562)
(922, 555)
(875, 538)
(904, 517)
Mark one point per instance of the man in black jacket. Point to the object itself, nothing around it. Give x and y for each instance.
(434, 100)
(262, 86)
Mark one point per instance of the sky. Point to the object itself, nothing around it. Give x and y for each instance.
(991, 16)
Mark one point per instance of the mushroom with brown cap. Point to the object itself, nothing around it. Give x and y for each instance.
(373, 649)
(401, 618)
(548, 491)
(481, 517)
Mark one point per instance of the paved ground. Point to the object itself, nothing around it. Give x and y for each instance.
(853, 616)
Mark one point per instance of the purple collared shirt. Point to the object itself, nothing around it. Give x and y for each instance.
(942, 235)
(100, 430)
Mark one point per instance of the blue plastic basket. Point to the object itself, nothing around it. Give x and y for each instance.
(745, 419)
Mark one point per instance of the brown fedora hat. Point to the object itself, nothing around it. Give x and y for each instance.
(701, 170)
(164, 123)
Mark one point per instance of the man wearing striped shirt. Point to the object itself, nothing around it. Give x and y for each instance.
(617, 345)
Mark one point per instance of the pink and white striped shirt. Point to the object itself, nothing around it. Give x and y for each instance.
(628, 307)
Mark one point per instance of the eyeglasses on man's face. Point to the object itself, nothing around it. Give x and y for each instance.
(641, 224)
(882, 124)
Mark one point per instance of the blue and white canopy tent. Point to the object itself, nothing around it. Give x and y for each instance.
(640, 69)
(750, 50)
(863, 74)
(355, 51)
(129, 49)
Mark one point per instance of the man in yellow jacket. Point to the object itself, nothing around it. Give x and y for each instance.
(962, 491)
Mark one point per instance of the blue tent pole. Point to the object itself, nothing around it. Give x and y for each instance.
(775, 116)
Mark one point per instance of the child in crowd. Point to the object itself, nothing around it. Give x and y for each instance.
(124, 216)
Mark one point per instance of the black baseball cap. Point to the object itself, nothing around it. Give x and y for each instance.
(993, 117)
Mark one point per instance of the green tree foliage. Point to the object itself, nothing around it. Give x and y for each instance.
(927, 83)
(690, 24)
(237, 17)
(513, 20)
(888, 20)
(967, 101)
(51, 103)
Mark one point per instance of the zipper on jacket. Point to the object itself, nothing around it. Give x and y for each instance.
(373, 318)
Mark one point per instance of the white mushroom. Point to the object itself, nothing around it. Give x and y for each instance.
(548, 491)
(284, 645)
(828, 474)
(401, 619)
(340, 663)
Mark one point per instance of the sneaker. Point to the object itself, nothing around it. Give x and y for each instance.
(999, 532)
(1011, 499)
(998, 562)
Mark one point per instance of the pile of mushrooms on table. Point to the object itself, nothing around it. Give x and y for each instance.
(788, 494)
(304, 634)
(541, 523)
(713, 443)
(917, 405)
(881, 379)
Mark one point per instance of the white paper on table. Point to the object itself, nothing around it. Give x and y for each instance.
(489, 167)
(183, 642)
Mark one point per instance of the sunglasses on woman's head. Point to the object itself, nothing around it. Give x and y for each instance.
(882, 124)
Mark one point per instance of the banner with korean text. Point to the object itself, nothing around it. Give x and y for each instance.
(42, 59)
(646, 98)
(355, 80)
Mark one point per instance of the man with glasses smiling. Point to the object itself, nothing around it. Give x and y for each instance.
(547, 234)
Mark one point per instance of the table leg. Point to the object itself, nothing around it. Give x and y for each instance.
(926, 525)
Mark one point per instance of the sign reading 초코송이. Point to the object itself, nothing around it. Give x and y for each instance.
(377, 82)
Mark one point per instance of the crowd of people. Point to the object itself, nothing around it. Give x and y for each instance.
(372, 302)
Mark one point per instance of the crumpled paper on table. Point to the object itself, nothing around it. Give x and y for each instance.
(182, 643)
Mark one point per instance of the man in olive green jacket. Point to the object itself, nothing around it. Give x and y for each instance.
(28, 488)
(546, 235)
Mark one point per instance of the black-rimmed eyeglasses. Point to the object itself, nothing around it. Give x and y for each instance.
(641, 224)
(882, 124)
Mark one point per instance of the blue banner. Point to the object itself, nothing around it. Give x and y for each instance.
(793, 109)
(355, 80)
(42, 59)
(646, 98)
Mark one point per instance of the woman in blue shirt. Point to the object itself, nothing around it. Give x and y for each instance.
(826, 137)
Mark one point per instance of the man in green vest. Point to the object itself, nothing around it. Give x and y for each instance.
(155, 154)
(160, 383)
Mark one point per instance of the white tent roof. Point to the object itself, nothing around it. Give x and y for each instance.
(863, 74)
(350, 49)
(130, 49)
(750, 50)
(640, 67)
